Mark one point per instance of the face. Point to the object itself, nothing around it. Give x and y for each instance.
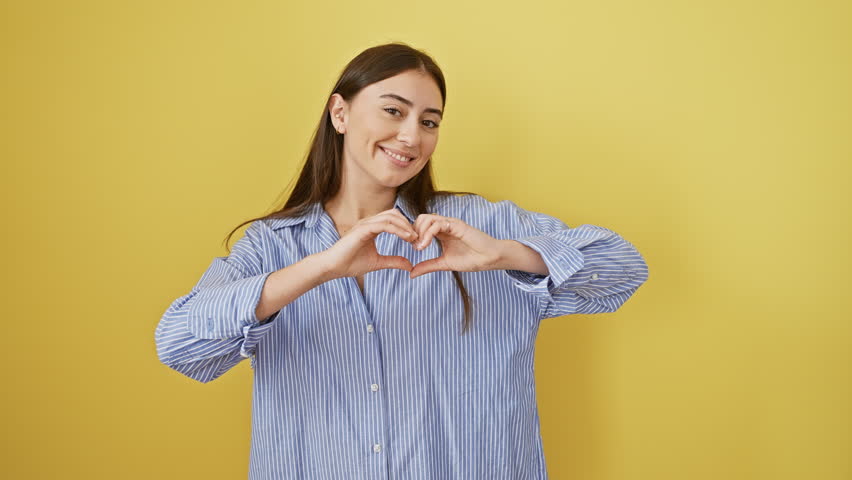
(394, 118)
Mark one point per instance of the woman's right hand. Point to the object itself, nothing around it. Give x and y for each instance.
(355, 253)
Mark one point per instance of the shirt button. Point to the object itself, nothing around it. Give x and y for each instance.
(370, 328)
(377, 448)
(594, 276)
(374, 387)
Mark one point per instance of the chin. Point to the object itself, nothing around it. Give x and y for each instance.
(393, 179)
(393, 182)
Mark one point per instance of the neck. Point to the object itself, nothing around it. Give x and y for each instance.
(351, 205)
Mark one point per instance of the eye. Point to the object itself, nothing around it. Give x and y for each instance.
(391, 110)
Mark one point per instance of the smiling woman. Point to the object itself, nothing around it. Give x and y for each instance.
(350, 312)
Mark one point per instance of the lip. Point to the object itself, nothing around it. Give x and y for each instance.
(395, 161)
(399, 152)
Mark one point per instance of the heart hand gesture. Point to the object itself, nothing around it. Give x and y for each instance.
(355, 253)
(465, 249)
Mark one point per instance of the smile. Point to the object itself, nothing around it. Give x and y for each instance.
(397, 159)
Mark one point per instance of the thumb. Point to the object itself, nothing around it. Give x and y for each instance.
(427, 266)
(393, 261)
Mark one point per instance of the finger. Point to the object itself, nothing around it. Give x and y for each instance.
(409, 234)
(404, 220)
(428, 266)
(438, 225)
(423, 226)
(394, 212)
(393, 261)
(423, 217)
(398, 220)
(421, 231)
(373, 229)
(398, 213)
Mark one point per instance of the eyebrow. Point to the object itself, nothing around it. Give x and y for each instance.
(411, 104)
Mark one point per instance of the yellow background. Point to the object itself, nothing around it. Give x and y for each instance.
(715, 136)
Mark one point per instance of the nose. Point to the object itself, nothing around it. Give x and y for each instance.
(409, 132)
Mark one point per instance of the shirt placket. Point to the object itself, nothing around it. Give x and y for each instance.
(372, 395)
(374, 386)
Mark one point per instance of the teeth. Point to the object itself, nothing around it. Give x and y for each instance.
(398, 157)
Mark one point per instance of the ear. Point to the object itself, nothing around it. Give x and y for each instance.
(337, 106)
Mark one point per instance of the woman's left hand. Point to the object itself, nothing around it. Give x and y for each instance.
(465, 249)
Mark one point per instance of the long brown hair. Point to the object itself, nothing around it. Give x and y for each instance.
(321, 175)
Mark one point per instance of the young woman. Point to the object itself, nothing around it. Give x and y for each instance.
(391, 327)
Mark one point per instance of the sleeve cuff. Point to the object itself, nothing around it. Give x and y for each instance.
(253, 335)
(224, 311)
(561, 260)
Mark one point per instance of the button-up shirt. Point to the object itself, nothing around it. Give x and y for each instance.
(381, 384)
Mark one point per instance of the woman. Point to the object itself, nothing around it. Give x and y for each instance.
(391, 327)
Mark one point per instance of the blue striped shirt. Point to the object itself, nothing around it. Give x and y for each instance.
(381, 385)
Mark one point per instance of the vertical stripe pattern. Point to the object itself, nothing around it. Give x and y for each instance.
(382, 385)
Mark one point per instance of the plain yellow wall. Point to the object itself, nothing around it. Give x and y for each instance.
(715, 136)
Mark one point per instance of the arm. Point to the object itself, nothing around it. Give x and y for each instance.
(514, 255)
(216, 325)
(291, 282)
(587, 269)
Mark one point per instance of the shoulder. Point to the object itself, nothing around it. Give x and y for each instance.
(306, 215)
(471, 206)
(270, 244)
(462, 205)
(274, 231)
(485, 214)
(276, 228)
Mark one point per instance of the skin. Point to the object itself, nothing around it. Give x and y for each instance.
(363, 207)
(370, 182)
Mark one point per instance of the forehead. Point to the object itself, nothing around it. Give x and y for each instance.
(418, 87)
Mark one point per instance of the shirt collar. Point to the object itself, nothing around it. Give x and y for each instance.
(315, 211)
(406, 208)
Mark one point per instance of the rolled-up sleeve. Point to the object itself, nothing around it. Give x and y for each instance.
(209, 330)
(222, 311)
(592, 269)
